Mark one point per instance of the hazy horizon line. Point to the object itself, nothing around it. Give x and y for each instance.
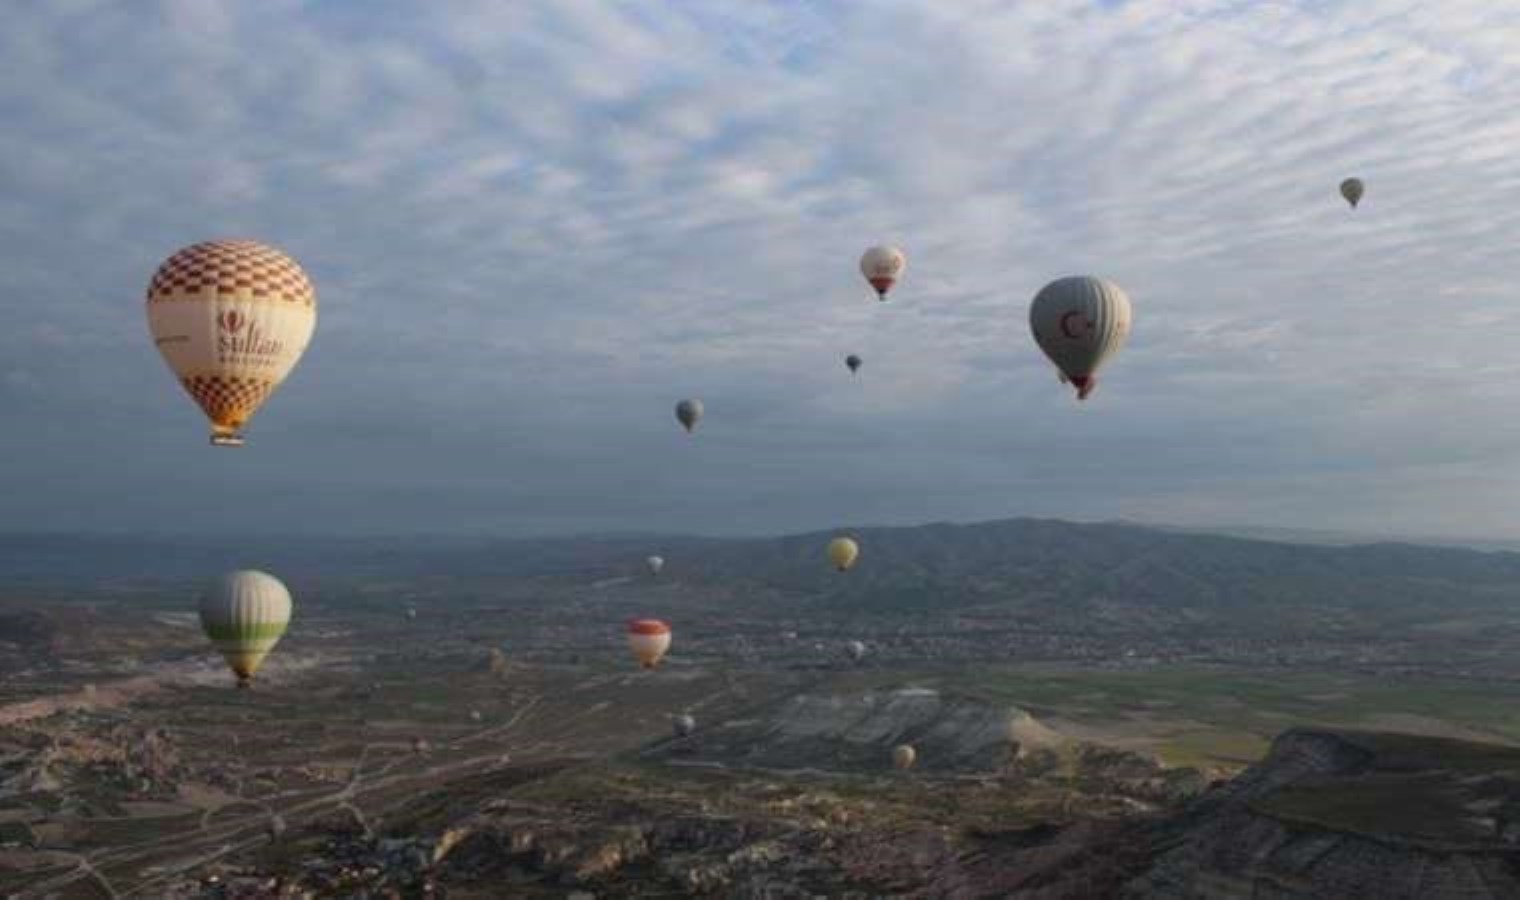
(1247, 531)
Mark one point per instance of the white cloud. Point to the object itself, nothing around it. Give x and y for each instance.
(553, 215)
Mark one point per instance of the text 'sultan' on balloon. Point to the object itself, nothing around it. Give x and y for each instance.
(689, 413)
(1080, 322)
(882, 267)
(245, 614)
(1352, 189)
(843, 552)
(648, 639)
(231, 318)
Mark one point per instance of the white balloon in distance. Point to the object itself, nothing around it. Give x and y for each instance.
(882, 267)
(232, 319)
(1080, 322)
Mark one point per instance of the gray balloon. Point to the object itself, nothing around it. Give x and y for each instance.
(1352, 189)
(689, 413)
(852, 361)
(684, 725)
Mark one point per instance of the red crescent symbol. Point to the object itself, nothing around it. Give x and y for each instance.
(1066, 326)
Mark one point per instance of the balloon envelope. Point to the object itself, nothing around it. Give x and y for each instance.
(655, 564)
(648, 639)
(684, 725)
(852, 361)
(231, 318)
(245, 613)
(843, 552)
(904, 756)
(882, 266)
(1080, 322)
(856, 650)
(689, 413)
(1352, 189)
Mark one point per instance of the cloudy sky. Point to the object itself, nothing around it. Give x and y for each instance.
(535, 226)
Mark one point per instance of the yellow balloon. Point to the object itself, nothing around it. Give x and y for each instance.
(843, 552)
(231, 319)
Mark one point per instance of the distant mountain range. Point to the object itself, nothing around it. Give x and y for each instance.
(1052, 564)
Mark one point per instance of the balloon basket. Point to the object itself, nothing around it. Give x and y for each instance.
(226, 440)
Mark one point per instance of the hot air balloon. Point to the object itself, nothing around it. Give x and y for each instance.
(655, 564)
(475, 715)
(1080, 322)
(882, 266)
(1352, 189)
(231, 319)
(244, 614)
(684, 725)
(853, 362)
(648, 639)
(411, 613)
(856, 650)
(689, 413)
(904, 756)
(843, 552)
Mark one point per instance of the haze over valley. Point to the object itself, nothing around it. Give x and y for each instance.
(498, 735)
(610, 448)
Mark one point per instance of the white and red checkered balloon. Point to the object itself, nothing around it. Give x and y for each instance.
(231, 319)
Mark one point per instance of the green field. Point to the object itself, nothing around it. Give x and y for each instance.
(1210, 716)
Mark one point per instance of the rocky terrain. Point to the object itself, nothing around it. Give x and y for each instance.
(1349, 814)
(1159, 714)
(1326, 814)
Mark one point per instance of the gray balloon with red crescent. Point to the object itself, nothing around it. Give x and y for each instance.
(1080, 322)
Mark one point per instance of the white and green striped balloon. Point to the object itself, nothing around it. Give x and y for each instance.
(245, 614)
